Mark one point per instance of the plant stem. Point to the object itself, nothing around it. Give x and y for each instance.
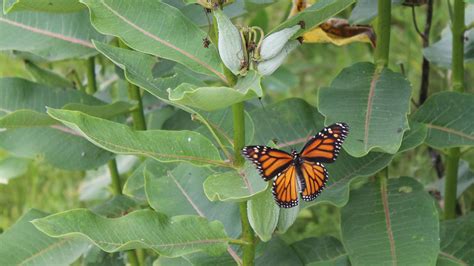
(91, 80)
(248, 236)
(457, 66)
(138, 115)
(383, 33)
(239, 132)
(134, 93)
(457, 29)
(115, 176)
(450, 185)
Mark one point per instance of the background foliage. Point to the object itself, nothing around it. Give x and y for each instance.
(120, 132)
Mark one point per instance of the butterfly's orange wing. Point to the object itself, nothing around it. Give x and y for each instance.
(324, 147)
(315, 177)
(269, 161)
(285, 190)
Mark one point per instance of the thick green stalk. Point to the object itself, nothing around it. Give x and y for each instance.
(91, 80)
(248, 236)
(450, 185)
(138, 114)
(457, 66)
(383, 33)
(115, 176)
(458, 29)
(239, 132)
(134, 93)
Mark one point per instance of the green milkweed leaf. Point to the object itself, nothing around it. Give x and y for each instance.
(52, 36)
(374, 103)
(171, 237)
(169, 35)
(449, 117)
(162, 145)
(23, 244)
(394, 222)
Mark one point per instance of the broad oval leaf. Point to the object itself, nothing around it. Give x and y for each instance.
(321, 251)
(374, 103)
(214, 98)
(316, 14)
(22, 105)
(456, 241)
(169, 35)
(344, 171)
(23, 244)
(366, 10)
(234, 185)
(50, 36)
(162, 145)
(449, 117)
(413, 137)
(263, 214)
(393, 222)
(47, 77)
(180, 192)
(171, 237)
(60, 6)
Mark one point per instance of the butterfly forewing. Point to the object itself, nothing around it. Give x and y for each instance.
(324, 147)
(285, 190)
(269, 161)
(315, 177)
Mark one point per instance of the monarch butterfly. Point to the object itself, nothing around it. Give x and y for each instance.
(303, 170)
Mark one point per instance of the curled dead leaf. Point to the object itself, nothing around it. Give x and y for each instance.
(339, 32)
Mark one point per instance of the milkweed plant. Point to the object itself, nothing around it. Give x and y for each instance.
(125, 127)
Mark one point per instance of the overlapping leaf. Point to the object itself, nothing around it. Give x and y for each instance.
(162, 145)
(172, 237)
(457, 241)
(53, 36)
(449, 117)
(374, 103)
(234, 185)
(316, 14)
(391, 223)
(169, 34)
(180, 192)
(321, 251)
(22, 104)
(214, 98)
(42, 5)
(23, 244)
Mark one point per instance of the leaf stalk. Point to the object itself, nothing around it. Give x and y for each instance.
(457, 66)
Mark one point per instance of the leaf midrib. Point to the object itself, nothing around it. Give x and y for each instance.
(48, 33)
(451, 131)
(158, 39)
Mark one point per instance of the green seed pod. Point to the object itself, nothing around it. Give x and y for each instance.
(269, 66)
(274, 43)
(230, 43)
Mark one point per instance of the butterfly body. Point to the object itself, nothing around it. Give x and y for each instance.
(299, 172)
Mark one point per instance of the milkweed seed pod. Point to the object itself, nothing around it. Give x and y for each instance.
(230, 43)
(267, 67)
(274, 43)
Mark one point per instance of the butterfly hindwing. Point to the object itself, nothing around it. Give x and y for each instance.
(285, 188)
(269, 161)
(315, 177)
(324, 147)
